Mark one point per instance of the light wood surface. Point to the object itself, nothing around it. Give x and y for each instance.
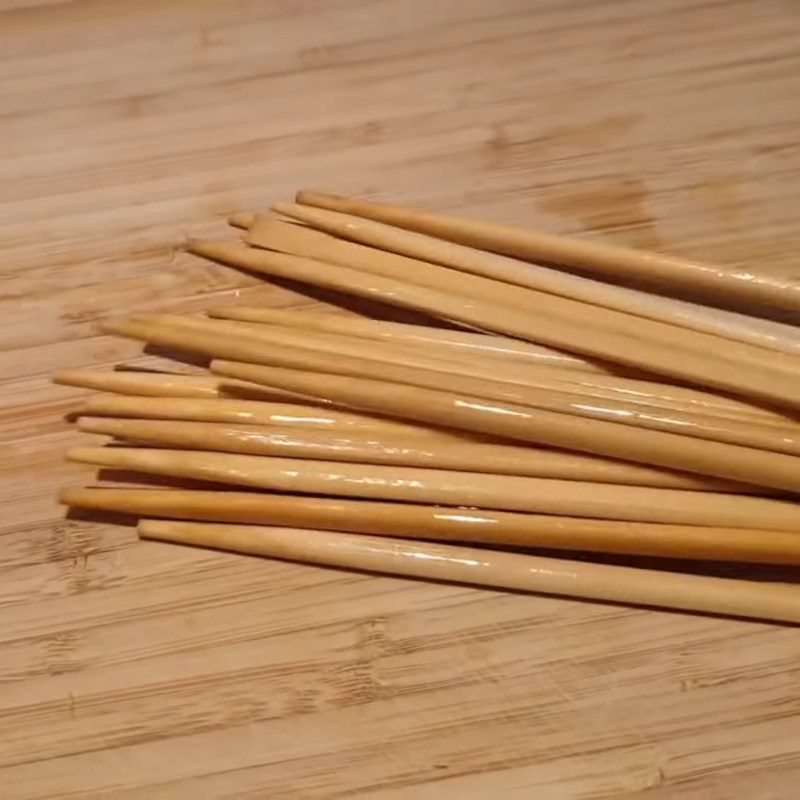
(145, 670)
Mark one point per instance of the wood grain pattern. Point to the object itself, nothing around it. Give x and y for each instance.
(138, 670)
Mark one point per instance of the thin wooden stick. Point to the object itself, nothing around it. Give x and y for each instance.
(475, 566)
(436, 522)
(533, 425)
(455, 488)
(425, 270)
(254, 412)
(456, 410)
(448, 341)
(377, 448)
(543, 426)
(244, 220)
(436, 264)
(600, 258)
(696, 367)
(308, 242)
(287, 348)
(684, 408)
(241, 220)
(154, 384)
(266, 231)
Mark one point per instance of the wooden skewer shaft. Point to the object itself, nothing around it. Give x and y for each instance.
(336, 334)
(253, 412)
(436, 522)
(450, 487)
(265, 231)
(307, 242)
(542, 326)
(598, 257)
(445, 340)
(243, 220)
(479, 415)
(544, 389)
(364, 447)
(155, 384)
(620, 414)
(437, 264)
(748, 433)
(491, 568)
(511, 421)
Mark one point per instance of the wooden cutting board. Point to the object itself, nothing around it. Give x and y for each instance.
(139, 670)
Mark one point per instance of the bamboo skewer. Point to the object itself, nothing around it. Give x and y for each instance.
(406, 248)
(601, 258)
(241, 220)
(480, 415)
(773, 385)
(425, 270)
(253, 412)
(598, 385)
(154, 384)
(436, 264)
(685, 408)
(491, 568)
(377, 448)
(517, 422)
(462, 343)
(307, 242)
(289, 418)
(450, 487)
(244, 220)
(435, 522)
(282, 350)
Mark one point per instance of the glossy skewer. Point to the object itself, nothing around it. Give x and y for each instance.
(307, 242)
(455, 410)
(626, 401)
(425, 269)
(254, 412)
(445, 340)
(244, 220)
(214, 338)
(481, 364)
(265, 231)
(601, 258)
(289, 349)
(154, 384)
(541, 325)
(436, 522)
(491, 568)
(455, 488)
(365, 447)
(541, 389)
(534, 425)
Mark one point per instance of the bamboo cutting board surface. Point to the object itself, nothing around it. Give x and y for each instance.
(133, 670)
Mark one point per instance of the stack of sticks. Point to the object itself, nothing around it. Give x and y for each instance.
(544, 407)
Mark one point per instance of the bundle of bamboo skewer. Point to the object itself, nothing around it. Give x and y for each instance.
(565, 412)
